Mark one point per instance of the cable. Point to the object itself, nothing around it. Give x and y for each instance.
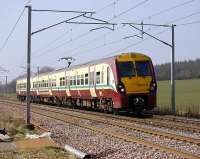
(156, 14)
(168, 9)
(187, 16)
(153, 15)
(109, 5)
(178, 19)
(128, 10)
(59, 37)
(88, 32)
(52, 49)
(52, 42)
(12, 30)
(28, 2)
(189, 23)
(100, 46)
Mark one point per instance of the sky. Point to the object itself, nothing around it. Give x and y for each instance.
(77, 41)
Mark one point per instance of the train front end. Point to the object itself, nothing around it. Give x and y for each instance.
(136, 82)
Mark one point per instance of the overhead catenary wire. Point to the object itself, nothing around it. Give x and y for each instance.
(59, 37)
(153, 15)
(175, 20)
(109, 5)
(164, 11)
(12, 30)
(117, 41)
(88, 32)
(134, 44)
(185, 17)
(189, 23)
(167, 10)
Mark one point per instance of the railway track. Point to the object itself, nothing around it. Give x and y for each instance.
(156, 122)
(178, 119)
(176, 123)
(72, 119)
(127, 126)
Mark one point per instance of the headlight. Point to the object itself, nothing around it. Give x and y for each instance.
(153, 86)
(121, 88)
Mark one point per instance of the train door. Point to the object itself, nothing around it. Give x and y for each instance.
(92, 81)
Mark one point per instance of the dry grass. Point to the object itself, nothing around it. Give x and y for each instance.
(44, 153)
(16, 130)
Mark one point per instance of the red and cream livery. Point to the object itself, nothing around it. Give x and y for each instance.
(125, 81)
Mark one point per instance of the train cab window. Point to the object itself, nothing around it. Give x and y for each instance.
(126, 69)
(86, 79)
(97, 77)
(143, 68)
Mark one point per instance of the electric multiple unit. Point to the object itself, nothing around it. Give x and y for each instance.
(122, 82)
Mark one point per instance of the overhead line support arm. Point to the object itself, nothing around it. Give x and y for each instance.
(64, 11)
(151, 35)
(56, 24)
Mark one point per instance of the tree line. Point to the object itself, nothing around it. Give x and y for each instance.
(183, 70)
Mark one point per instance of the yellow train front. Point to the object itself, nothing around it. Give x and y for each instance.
(137, 85)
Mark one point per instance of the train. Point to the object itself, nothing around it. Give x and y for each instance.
(124, 82)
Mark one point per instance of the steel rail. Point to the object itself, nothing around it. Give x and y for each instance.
(129, 126)
(153, 122)
(114, 134)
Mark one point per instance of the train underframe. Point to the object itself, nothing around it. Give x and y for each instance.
(132, 103)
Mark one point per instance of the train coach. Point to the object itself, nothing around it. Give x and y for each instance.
(122, 82)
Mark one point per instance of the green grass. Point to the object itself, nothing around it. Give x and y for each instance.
(187, 96)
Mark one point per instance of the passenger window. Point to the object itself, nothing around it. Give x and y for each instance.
(74, 80)
(82, 79)
(97, 77)
(71, 80)
(78, 79)
(86, 79)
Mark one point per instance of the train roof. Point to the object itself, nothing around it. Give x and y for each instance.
(93, 62)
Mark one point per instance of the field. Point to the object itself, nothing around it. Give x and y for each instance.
(187, 96)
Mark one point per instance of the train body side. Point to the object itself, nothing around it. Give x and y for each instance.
(97, 83)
